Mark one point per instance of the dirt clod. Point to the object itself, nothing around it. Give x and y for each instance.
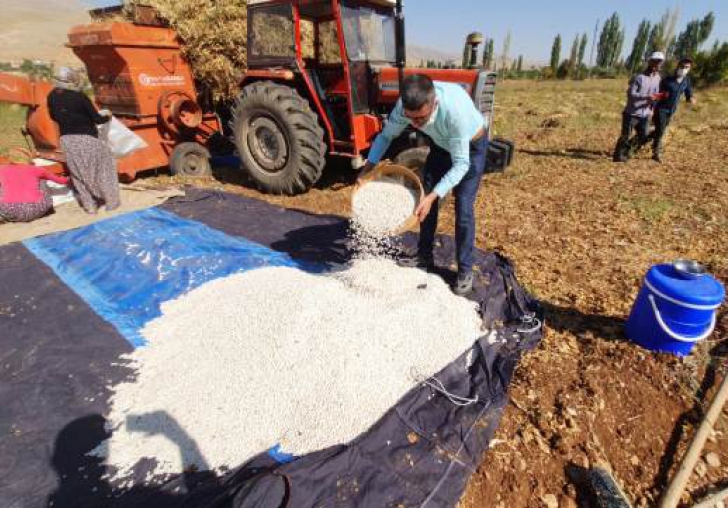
(712, 459)
(550, 501)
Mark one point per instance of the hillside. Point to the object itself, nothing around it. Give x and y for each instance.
(416, 53)
(36, 29)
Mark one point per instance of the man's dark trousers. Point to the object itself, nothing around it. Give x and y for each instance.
(661, 120)
(624, 147)
(438, 163)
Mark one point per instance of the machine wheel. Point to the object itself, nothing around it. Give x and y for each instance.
(190, 159)
(413, 158)
(280, 142)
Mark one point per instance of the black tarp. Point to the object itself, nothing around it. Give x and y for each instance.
(57, 356)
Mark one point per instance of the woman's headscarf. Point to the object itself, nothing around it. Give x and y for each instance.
(66, 78)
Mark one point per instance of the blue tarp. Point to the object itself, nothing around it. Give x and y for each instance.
(61, 358)
(127, 266)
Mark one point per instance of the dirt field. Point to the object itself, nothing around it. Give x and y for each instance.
(582, 231)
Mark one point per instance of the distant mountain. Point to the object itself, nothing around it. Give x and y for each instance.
(416, 54)
(36, 29)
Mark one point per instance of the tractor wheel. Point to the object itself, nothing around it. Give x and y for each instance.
(413, 158)
(278, 137)
(190, 159)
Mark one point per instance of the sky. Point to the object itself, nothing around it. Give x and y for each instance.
(534, 23)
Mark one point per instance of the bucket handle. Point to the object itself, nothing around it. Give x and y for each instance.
(674, 335)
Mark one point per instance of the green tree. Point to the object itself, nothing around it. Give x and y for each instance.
(556, 54)
(611, 42)
(574, 54)
(488, 49)
(711, 67)
(27, 66)
(656, 41)
(687, 42)
(506, 50)
(563, 71)
(695, 34)
(639, 46)
(491, 53)
(670, 28)
(618, 48)
(706, 27)
(662, 34)
(466, 55)
(582, 49)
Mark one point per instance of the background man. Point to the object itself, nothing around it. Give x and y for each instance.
(642, 92)
(446, 113)
(672, 88)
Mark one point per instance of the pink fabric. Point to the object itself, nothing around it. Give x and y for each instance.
(21, 184)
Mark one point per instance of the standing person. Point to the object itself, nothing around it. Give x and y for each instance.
(23, 194)
(89, 160)
(446, 113)
(671, 88)
(642, 93)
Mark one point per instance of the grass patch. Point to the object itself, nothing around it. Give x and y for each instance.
(649, 208)
(12, 119)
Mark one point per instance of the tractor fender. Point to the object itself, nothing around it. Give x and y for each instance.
(267, 74)
(305, 87)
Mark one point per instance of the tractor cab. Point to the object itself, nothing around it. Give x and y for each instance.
(334, 49)
(322, 76)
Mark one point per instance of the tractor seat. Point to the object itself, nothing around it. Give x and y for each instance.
(325, 102)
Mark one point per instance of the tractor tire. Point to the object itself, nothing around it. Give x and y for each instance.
(280, 142)
(190, 160)
(413, 158)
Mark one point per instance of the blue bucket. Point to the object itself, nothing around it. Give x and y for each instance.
(675, 309)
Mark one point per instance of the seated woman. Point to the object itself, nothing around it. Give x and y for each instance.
(23, 193)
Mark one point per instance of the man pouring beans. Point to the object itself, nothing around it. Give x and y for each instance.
(447, 114)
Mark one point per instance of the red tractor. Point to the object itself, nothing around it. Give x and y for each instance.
(323, 75)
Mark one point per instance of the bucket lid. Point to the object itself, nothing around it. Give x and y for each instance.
(672, 283)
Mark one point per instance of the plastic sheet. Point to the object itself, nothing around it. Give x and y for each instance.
(121, 140)
(62, 357)
(125, 267)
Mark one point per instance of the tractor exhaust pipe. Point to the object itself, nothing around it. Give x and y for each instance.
(399, 37)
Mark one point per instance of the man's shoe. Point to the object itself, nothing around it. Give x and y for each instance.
(416, 261)
(463, 284)
(657, 157)
(620, 156)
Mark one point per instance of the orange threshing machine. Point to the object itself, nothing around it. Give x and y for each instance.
(137, 72)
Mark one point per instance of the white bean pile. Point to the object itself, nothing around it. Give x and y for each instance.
(278, 355)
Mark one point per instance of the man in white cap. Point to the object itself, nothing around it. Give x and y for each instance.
(642, 94)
